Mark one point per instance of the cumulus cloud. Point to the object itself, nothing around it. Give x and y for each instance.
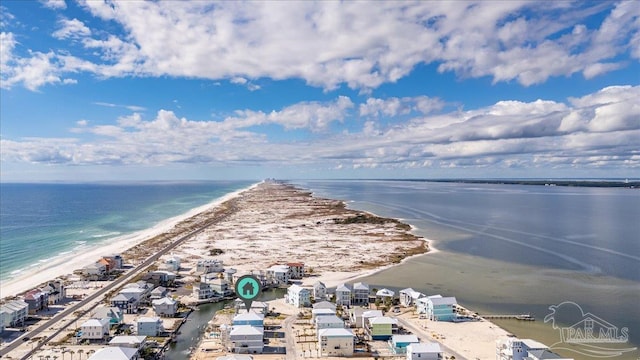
(73, 28)
(54, 4)
(598, 130)
(328, 44)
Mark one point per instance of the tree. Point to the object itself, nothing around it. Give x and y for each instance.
(80, 353)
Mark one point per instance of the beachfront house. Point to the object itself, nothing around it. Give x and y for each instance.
(343, 295)
(319, 291)
(512, 348)
(114, 314)
(16, 312)
(218, 285)
(328, 322)
(408, 297)
(279, 274)
(149, 326)
(335, 342)
(116, 260)
(128, 341)
(229, 274)
(296, 270)
(95, 329)
(165, 307)
(95, 271)
(441, 308)
(245, 339)
(399, 343)
(37, 300)
(421, 303)
(115, 353)
(3, 316)
(385, 295)
(424, 351)
(205, 266)
(251, 318)
(56, 291)
(298, 296)
(380, 328)
(360, 294)
(259, 307)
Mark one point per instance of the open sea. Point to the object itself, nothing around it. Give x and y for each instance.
(503, 249)
(41, 221)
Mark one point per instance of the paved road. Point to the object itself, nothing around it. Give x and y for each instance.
(417, 331)
(92, 300)
(287, 325)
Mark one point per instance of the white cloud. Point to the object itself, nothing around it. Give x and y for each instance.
(54, 4)
(332, 43)
(394, 106)
(73, 28)
(598, 130)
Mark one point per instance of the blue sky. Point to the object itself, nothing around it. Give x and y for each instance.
(126, 90)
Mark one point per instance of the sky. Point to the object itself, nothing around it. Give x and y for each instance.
(170, 90)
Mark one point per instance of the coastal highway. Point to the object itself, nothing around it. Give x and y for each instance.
(92, 300)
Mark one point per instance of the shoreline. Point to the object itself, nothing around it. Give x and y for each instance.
(66, 263)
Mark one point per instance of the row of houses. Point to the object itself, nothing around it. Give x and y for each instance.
(14, 313)
(125, 347)
(103, 319)
(103, 267)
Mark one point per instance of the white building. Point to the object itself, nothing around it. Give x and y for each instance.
(298, 296)
(3, 315)
(325, 305)
(421, 303)
(328, 322)
(408, 297)
(319, 291)
(128, 341)
(321, 312)
(15, 313)
(424, 351)
(335, 342)
(95, 329)
(245, 339)
(115, 353)
(279, 274)
(172, 263)
(165, 307)
(512, 348)
(343, 295)
(149, 326)
(209, 265)
(384, 294)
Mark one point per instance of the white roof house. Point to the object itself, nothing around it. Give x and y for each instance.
(129, 341)
(324, 305)
(329, 321)
(114, 353)
(343, 295)
(409, 296)
(298, 296)
(424, 351)
(385, 293)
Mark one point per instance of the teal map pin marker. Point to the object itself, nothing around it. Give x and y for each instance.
(248, 288)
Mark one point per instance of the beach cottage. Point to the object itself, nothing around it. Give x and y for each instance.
(128, 341)
(385, 295)
(149, 326)
(424, 351)
(335, 342)
(127, 303)
(325, 305)
(421, 303)
(298, 296)
(343, 295)
(95, 329)
(360, 294)
(245, 339)
(37, 300)
(166, 307)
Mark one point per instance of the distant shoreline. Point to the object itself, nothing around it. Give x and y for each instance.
(603, 183)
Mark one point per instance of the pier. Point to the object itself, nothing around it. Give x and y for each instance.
(523, 317)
